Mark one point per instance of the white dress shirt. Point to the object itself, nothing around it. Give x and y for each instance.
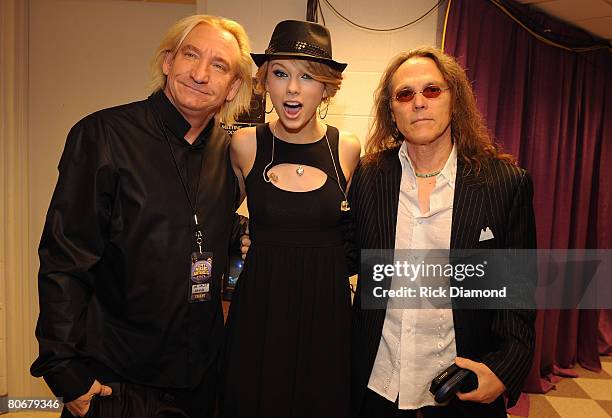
(417, 344)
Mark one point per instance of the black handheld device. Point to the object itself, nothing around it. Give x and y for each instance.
(452, 380)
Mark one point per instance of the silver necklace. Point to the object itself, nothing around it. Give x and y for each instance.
(427, 175)
(344, 206)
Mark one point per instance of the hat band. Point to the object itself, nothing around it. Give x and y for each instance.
(292, 47)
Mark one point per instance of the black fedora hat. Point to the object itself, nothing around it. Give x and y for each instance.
(297, 39)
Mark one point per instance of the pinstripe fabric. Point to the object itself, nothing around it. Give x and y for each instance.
(499, 197)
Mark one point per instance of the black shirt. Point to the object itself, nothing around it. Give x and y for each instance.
(115, 250)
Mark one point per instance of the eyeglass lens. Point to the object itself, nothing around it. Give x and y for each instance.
(406, 95)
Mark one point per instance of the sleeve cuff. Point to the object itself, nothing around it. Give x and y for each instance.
(512, 381)
(72, 382)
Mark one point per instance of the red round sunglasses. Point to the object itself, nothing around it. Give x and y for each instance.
(430, 92)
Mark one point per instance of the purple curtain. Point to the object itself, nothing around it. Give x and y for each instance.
(552, 109)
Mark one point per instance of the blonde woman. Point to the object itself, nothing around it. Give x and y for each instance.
(287, 351)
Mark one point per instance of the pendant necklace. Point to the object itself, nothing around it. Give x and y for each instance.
(344, 205)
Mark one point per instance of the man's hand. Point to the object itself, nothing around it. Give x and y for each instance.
(245, 243)
(80, 406)
(489, 385)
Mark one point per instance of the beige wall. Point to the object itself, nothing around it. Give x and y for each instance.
(84, 56)
(14, 295)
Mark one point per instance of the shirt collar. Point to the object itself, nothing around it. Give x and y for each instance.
(173, 119)
(449, 172)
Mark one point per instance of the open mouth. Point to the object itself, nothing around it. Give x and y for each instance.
(292, 108)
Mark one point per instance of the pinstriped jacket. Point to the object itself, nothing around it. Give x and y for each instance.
(499, 197)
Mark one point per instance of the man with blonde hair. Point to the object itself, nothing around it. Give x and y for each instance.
(137, 235)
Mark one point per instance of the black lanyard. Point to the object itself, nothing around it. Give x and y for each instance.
(194, 207)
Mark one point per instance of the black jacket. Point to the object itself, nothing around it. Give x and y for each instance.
(500, 196)
(115, 251)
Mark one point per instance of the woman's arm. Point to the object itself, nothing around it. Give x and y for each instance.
(243, 148)
(349, 151)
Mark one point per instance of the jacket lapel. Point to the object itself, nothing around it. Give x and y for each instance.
(387, 191)
(468, 214)
(468, 208)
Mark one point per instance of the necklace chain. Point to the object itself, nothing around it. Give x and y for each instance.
(427, 175)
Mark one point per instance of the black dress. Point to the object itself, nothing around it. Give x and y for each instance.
(287, 347)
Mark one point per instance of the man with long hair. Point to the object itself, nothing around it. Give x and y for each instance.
(137, 235)
(433, 178)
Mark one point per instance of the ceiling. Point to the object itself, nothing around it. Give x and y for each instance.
(594, 16)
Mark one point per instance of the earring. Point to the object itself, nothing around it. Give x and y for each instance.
(326, 109)
(266, 101)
